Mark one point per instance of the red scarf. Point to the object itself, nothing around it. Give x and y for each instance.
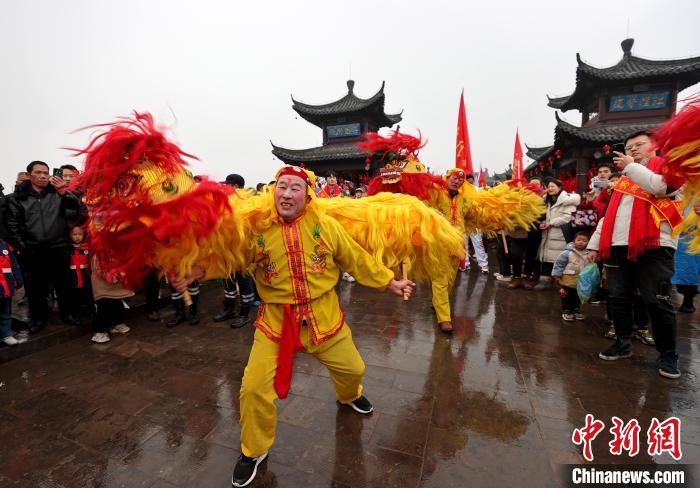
(644, 233)
(328, 193)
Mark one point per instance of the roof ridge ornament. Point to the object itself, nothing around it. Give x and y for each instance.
(627, 46)
(351, 85)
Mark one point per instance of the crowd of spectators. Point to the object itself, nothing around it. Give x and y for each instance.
(639, 262)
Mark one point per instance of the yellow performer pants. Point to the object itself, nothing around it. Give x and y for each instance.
(258, 410)
(442, 288)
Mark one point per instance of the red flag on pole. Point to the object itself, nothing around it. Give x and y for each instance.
(463, 158)
(518, 173)
(482, 178)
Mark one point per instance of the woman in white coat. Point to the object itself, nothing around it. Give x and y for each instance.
(560, 206)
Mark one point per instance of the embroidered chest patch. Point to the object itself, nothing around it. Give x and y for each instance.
(269, 267)
(320, 253)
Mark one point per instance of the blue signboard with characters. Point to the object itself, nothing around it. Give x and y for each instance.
(345, 130)
(638, 101)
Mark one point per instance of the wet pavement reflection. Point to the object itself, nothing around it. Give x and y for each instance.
(493, 405)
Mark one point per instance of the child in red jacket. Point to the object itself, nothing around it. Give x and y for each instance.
(80, 293)
(10, 280)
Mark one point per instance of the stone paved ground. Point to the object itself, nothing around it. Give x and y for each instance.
(494, 405)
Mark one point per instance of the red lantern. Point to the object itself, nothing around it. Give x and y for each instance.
(606, 149)
(557, 153)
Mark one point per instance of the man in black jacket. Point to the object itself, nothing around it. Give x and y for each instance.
(37, 222)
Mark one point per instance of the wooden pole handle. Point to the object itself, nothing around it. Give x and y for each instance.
(505, 243)
(404, 275)
(187, 298)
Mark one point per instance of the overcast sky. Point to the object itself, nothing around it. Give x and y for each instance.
(220, 73)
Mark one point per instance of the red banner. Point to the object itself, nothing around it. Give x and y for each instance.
(463, 158)
(518, 173)
(482, 178)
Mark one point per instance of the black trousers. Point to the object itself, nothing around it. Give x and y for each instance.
(503, 257)
(80, 301)
(641, 317)
(41, 266)
(651, 274)
(532, 264)
(518, 250)
(152, 288)
(110, 312)
(570, 302)
(242, 283)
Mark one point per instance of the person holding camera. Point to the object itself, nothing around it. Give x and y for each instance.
(637, 247)
(37, 221)
(597, 198)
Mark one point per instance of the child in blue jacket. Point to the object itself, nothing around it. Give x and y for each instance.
(565, 273)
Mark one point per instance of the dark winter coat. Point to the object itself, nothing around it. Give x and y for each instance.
(40, 219)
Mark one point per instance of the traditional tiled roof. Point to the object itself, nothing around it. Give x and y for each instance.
(336, 151)
(538, 152)
(346, 105)
(598, 133)
(557, 102)
(630, 68)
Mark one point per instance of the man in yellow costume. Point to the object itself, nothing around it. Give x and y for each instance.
(147, 212)
(454, 209)
(297, 265)
(459, 202)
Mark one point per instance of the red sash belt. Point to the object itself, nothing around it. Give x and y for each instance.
(290, 344)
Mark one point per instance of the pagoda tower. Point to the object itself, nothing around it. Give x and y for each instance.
(343, 123)
(633, 95)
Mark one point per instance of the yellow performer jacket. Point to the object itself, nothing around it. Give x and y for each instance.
(299, 263)
(454, 208)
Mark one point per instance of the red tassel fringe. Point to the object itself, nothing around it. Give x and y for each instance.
(415, 184)
(127, 142)
(128, 233)
(402, 145)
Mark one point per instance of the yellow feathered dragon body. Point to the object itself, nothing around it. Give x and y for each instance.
(147, 211)
(505, 206)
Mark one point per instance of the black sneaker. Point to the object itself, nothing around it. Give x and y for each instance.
(668, 366)
(240, 321)
(245, 470)
(617, 351)
(361, 405)
(227, 314)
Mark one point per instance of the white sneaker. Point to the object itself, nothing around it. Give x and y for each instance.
(348, 277)
(569, 317)
(100, 337)
(500, 277)
(10, 341)
(120, 329)
(22, 336)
